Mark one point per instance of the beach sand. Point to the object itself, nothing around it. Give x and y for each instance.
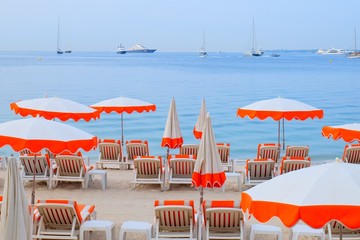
(120, 202)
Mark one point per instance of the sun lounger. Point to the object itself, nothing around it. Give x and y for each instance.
(258, 171)
(189, 149)
(297, 151)
(180, 169)
(60, 219)
(148, 170)
(42, 169)
(224, 152)
(293, 163)
(71, 169)
(333, 231)
(352, 154)
(111, 153)
(268, 151)
(174, 219)
(136, 148)
(223, 219)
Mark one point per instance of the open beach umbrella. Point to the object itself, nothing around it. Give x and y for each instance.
(315, 195)
(348, 132)
(280, 109)
(208, 170)
(37, 133)
(15, 211)
(54, 107)
(200, 121)
(121, 105)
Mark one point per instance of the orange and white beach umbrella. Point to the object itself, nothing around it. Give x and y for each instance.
(348, 132)
(54, 107)
(315, 195)
(172, 134)
(121, 105)
(280, 109)
(208, 170)
(200, 121)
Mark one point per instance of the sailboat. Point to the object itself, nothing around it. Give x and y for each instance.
(355, 53)
(58, 40)
(202, 52)
(255, 51)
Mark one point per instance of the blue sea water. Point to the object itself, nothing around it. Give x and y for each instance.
(226, 81)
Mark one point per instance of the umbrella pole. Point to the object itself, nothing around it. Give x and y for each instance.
(283, 122)
(279, 133)
(33, 185)
(200, 213)
(122, 130)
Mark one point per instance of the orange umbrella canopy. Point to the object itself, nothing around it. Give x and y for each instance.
(315, 195)
(36, 134)
(172, 135)
(54, 107)
(348, 132)
(280, 108)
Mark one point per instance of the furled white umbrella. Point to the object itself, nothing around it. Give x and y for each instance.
(37, 133)
(16, 221)
(315, 195)
(172, 134)
(280, 109)
(121, 105)
(200, 121)
(208, 170)
(55, 107)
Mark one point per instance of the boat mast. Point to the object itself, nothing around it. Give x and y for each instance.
(204, 40)
(58, 39)
(253, 48)
(355, 38)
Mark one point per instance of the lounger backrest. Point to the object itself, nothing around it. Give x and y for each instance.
(148, 166)
(110, 149)
(27, 152)
(260, 169)
(223, 215)
(334, 228)
(42, 164)
(70, 165)
(182, 166)
(268, 151)
(189, 149)
(174, 215)
(136, 148)
(352, 153)
(297, 151)
(224, 152)
(294, 163)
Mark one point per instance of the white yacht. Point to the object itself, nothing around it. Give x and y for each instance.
(138, 48)
(120, 49)
(331, 50)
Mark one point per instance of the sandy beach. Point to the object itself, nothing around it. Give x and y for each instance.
(120, 202)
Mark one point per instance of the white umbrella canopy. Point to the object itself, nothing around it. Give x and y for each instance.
(121, 105)
(199, 125)
(172, 134)
(16, 221)
(55, 107)
(348, 132)
(315, 195)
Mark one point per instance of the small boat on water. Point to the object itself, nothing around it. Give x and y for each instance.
(355, 53)
(275, 55)
(59, 51)
(331, 50)
(68, 51)
(138, 48)
(255, 52)
(120, 49)
(202, 52)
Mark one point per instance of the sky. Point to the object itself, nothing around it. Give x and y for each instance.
(177, 25)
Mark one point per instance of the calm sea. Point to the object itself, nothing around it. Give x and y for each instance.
(227, 81)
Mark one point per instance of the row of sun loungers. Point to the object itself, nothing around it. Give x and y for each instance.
(219, 219)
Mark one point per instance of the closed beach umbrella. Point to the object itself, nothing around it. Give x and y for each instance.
(208, 170)
(172, 134)
(280, 109)
(347, 132)
(15, 211)
(200, 121)
(36, 134)
(54, 107)
(315, 195)
(121, 105)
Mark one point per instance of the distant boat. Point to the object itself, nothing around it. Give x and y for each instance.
(68, 51)
(256, 52)
(120, 49)
(58, 40)
(138, 48)
(275, 55)
(331, 50)
(202, 52)
(355, 53)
